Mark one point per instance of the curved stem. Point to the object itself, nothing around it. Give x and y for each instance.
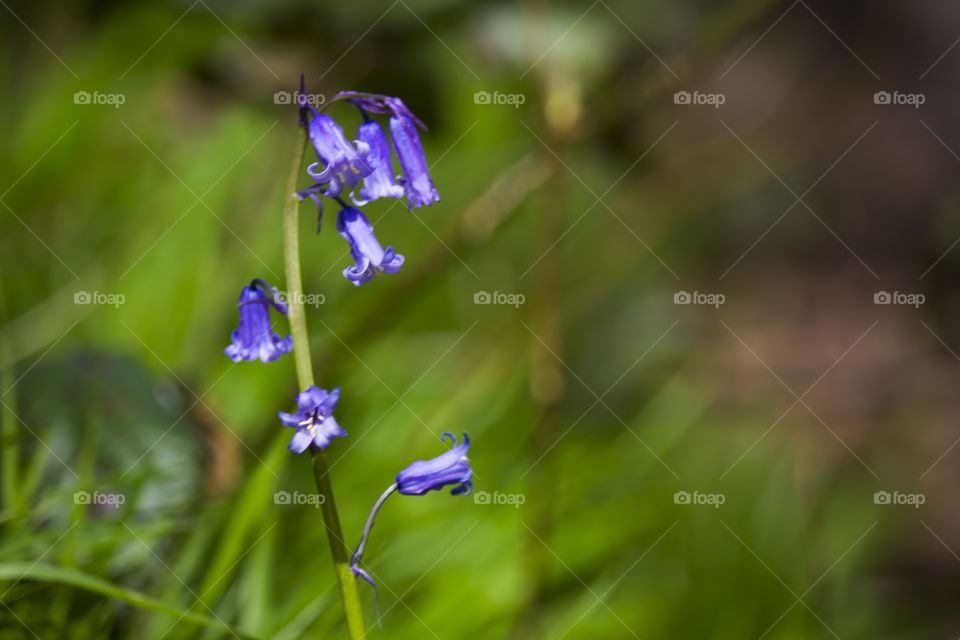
(358, 554)
(358, 94)
(301, 353)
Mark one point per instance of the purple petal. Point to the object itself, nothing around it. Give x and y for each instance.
(310, 399)
(380, 183)
(290, 419)
(416, 181)
(328, 404)
(300, 441)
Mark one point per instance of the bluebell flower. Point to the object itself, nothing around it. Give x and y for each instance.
(381, 183)
(343, 165)
(254, 337)
(416, 180)
(313, 420)
(452, 467)
(369, 256)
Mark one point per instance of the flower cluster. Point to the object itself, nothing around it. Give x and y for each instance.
(367, 162)
(364, 169)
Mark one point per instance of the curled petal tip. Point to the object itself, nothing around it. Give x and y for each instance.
(368, 254)
(360, 573)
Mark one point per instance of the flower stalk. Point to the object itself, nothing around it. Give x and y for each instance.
(358, 554)
(301, 351)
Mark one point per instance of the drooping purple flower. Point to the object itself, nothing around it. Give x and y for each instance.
(369, 256)
(343, 165)
(452, 467)
(416, 180)
(313, 420)
(381, 183)
(254, 337)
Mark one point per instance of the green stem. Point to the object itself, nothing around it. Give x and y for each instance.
(291, 255)
(301, 353)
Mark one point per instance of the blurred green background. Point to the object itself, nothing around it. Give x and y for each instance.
(602, 403)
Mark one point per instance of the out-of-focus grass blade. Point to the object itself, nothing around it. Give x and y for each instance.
(74, 578)
(191, 558)
(244, 518)
(296, 627)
